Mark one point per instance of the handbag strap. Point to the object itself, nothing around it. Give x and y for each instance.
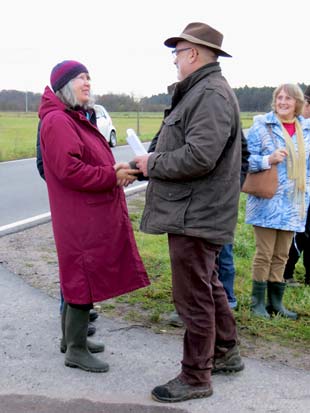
(272, 136)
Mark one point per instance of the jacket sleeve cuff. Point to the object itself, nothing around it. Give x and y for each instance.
(151, 163)
(265, 162)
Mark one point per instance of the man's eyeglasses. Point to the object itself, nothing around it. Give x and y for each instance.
(175, 52)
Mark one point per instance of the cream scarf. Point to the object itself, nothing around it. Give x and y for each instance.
(296, 163)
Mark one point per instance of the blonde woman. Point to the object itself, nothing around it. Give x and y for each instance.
(280, 137)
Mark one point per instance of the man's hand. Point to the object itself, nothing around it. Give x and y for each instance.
(141, 162)
(121, 165)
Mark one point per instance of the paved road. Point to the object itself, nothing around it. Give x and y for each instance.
(34, 379)
(23, 193)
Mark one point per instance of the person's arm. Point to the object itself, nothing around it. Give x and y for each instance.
(307, 228)
(262, 156)
(244, 158)
(205, 136)
(39, 154)
(63, 152)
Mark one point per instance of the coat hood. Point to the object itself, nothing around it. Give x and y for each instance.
(49, 103)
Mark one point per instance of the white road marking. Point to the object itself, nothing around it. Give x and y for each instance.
(37, 218)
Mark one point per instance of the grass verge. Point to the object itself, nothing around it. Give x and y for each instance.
(152, 305)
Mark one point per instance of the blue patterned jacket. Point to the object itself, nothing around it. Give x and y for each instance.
(281, 211)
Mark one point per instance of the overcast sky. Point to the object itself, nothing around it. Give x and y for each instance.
(121, 41)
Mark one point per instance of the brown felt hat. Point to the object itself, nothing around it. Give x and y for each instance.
(200, 33)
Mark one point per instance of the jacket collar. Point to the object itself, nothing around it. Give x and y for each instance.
(50, 102)
(181, 88)
(271, 118)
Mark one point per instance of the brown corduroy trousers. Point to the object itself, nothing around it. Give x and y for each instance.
(201, 302)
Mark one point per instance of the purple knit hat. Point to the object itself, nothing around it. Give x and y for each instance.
(63, 72)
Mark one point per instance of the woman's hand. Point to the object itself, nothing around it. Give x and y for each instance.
(124, 174)
(278, 156)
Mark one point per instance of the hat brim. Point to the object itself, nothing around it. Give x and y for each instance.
(172, 42)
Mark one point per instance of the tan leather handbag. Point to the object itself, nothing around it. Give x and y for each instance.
(262, 184)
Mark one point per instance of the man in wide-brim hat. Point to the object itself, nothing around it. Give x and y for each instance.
(193, 195)
(200, 33)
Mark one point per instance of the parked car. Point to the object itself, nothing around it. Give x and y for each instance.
(105, 125)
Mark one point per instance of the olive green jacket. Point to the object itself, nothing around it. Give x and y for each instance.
(194, 172)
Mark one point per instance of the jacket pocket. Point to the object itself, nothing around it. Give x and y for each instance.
(100, 198)
(172, 135)
(169, 205)
(172, 119)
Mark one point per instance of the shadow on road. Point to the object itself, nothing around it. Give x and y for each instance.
(14, 403)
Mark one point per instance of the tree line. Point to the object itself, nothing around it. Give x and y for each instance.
(251, 99)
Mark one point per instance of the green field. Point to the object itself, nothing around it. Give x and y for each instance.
(18, 130)
(17, 135)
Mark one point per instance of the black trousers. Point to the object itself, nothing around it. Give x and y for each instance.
(301, 243)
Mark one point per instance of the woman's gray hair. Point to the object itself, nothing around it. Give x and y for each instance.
(67, 96)
(294, 91)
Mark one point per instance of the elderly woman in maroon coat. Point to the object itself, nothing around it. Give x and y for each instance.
(97, 253)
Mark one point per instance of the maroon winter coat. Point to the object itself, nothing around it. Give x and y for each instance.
(97, 253)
